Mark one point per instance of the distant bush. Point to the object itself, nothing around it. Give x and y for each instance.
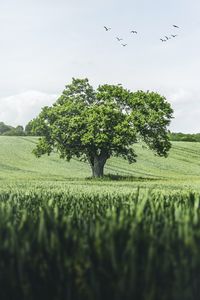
(10, 130)
(184, 137)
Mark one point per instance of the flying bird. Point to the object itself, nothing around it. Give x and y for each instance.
(119, 39)
(163, 40)
(166, 37)
(107, 28)
(133, 31)
(124, 45)
(174, 35)
(176, 26)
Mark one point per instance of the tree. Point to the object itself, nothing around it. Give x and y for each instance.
(4, 128)
(95, 125)
(19, 130)
(31, 128)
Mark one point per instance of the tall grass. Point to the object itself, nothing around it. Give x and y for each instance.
(56, 245)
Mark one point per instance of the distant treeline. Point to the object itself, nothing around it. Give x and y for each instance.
(19, 130)
(29, 130)
(184, 137)
(10, 130)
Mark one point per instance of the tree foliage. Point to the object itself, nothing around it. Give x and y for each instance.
(97, 124)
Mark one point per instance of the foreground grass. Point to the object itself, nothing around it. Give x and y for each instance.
(57, 245)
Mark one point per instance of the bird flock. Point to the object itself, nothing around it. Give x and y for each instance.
(163, 39)
(118, 38)
(167, 38)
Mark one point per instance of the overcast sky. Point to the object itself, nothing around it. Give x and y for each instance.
(44, 43)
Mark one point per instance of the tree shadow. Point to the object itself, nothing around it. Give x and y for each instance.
(117, 177)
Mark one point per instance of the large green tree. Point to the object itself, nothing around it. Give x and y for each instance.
(97, 124)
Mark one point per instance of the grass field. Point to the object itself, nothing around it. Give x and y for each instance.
(133, 235)
(59, 245)
(180, 170)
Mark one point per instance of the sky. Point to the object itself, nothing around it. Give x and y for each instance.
(44, 43)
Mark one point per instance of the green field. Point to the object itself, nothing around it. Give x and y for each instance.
(180, 170)
(133, 235)
(60, 245)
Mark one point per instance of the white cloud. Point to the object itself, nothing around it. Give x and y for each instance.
(186, 105)
(21, 108)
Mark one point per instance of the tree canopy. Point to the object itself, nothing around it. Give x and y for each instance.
(97, 124)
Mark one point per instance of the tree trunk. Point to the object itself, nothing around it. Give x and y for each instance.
(97, 163)
(97, 168)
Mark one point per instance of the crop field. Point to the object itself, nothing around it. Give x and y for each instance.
(133, 235)
(57, 245)
(19, 166)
